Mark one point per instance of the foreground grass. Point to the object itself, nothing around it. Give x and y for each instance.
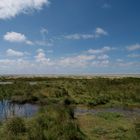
(51, 123)
(108, 126)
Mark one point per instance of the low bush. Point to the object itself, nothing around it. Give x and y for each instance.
(15, 126)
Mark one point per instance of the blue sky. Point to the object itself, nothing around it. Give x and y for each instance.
(69, 36)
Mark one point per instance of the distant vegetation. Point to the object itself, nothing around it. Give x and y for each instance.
(93, 92)
(58, 97)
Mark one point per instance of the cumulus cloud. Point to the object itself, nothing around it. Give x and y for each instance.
(99, 51)
(91, 57)
(17, 37)
(119, 60)
(40, 63)
(11, 52)
(21, 38)
(41, 57)
(81, 60)
(133, 47)
(103, 57)
(134, 55)
(12, 8)
(44, 31)
(98, 33)
(14, 37)
(103, 63)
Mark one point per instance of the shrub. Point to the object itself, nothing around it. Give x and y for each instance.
(15, 126)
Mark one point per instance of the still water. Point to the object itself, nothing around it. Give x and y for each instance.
(8, 109)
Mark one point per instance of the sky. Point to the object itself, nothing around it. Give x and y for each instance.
(69, 37)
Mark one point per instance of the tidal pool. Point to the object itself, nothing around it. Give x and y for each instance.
(8, 109)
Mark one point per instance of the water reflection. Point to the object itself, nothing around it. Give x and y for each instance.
(8, 110)
(10, 83)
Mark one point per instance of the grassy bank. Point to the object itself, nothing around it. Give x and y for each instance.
(109, 126)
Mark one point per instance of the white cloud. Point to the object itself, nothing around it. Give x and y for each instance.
(14, 37)
(29, 42)
(44, 31)
(75, 36)
(21, 38)
(88, 58)
(124, 63)
(119, 60)
(81, 60)
(40, 50)
(12, 8)
(11, 52)
(16, 66)
(98, 33)
(41, 57)
(17, 37)
(40, 63)
(103, 57)
(102, 63)
(133, 47)
(127, 64)
(134, 55)
(99, 51)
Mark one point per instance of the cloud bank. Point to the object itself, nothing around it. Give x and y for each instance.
(12, 8)
(41, 62)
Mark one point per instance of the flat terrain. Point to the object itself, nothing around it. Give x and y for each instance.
(70, 108)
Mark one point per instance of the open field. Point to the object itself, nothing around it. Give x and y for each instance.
(70, 108)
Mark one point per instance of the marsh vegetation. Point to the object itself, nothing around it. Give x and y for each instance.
(70, 108)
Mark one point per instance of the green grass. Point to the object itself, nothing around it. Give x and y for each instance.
(92, 92)
(57, 121)
(51, 123)
(107, 126)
